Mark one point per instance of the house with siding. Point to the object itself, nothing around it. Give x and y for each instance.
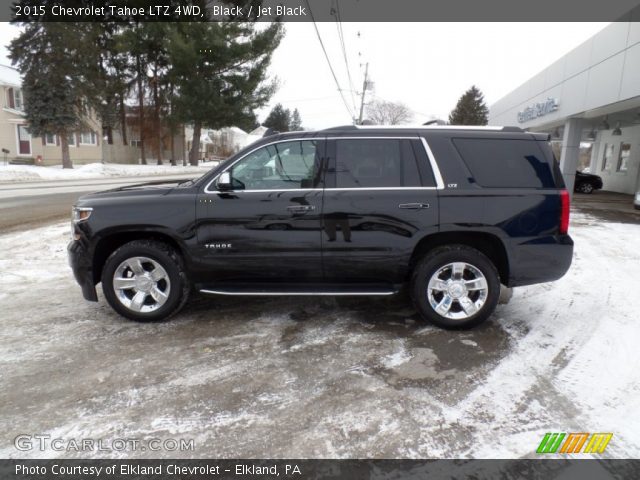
(84, 146)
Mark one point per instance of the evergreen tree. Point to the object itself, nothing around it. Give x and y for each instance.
(470, 109)
(249, 123)
(219, 71)
(279, 119)
(54, 83)
(296, 122)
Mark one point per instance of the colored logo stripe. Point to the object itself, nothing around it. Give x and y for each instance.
(598, 442)
(574, 442)
(550, 443)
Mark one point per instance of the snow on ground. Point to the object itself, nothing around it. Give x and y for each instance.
(24, 173)
(296, 378)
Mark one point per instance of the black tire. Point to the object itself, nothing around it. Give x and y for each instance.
(437, 260)
(168, 259)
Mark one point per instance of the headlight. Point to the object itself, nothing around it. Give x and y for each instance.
(80, 214)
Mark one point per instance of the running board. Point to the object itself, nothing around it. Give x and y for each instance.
(301, 291)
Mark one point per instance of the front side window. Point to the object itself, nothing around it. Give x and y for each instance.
(376, 163)
(280, 166)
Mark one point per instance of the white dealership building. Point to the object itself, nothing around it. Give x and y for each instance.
(592, 94)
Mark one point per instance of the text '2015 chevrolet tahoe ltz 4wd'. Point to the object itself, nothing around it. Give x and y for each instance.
(452, 212)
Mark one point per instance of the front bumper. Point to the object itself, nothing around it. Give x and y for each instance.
(80, 263)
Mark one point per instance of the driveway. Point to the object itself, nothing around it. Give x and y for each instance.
(331, 377)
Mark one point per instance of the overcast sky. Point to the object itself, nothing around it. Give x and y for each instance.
(424, 65)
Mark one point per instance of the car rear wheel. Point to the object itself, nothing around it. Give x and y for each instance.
(144, 280)
(455, 287)
(585, 188)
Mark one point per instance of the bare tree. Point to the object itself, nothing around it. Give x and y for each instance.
(382, 112)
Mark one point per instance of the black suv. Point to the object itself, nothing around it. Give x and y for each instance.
(453, 212)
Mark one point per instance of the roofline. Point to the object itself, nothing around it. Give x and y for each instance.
(426, 127)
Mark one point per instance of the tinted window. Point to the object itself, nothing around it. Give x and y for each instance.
(375, 163)
(280, 166)
(506, 163)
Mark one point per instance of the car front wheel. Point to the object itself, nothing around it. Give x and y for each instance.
(145, 280)
(455, 287)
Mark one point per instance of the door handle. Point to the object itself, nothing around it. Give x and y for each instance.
(300, 208)
(413, 206)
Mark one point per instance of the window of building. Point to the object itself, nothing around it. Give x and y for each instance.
(607, 157)
(376, 163)
(71, 139)
(50, 139)
(17, 99)
(88, 138)
(623, 157)
(24, 140)
(14, 98)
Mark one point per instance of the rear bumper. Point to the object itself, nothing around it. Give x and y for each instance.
(81, 265)
(541, 260)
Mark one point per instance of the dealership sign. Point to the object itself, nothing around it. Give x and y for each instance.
(538, 110)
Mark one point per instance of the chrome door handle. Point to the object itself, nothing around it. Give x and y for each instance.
(301, 208)
(413, 206)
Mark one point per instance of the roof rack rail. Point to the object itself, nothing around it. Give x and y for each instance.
(512, 129)
(342, 127)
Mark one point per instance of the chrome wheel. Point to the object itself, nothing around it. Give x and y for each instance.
(141, 284)
(457, 291)
(585, 188)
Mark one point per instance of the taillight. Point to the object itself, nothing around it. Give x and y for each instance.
(564, 212)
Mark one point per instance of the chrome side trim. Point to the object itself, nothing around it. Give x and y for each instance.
(301, 190)
(380, 188)
(308, 190)
(434, 165)
(429, 127)
(297, 294)
(376, 137)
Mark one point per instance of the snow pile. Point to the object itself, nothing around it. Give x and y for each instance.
(24, 173)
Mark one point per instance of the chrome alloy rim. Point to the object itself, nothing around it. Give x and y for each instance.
(141, 284)
(457, 291)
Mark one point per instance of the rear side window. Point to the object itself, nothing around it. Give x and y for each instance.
(505, 163)
(374, 163)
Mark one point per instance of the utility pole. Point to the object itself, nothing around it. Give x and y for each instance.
(364, 89)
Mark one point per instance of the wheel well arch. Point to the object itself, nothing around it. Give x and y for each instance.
(110, 243)
(487, 243)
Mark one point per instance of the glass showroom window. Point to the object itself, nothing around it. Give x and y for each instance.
(623, 157)
(607, 157)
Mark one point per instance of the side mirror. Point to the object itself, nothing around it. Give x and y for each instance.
(224, 181)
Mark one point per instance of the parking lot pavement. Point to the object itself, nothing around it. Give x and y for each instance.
(336, 377)
(610, 206)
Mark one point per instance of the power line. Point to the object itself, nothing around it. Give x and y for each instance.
(344, 52)
(328, 61)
